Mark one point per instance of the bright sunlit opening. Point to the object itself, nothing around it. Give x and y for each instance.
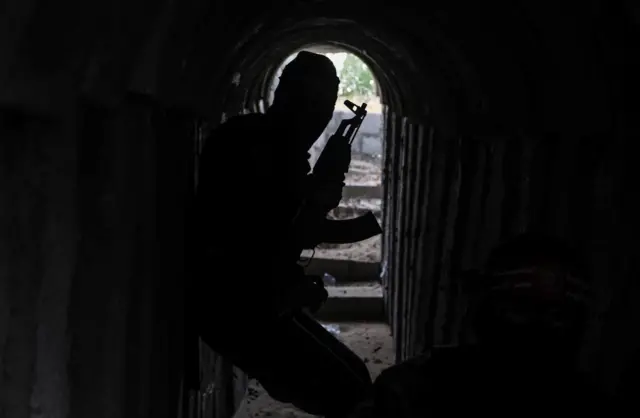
(357, 82)
(362, 191)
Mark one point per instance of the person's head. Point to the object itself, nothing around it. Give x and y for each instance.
(306, 95)
(534, 292)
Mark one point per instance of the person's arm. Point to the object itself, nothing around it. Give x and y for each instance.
(318, 198)
(325, 194)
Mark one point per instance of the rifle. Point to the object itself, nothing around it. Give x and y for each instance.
(357, 229)
(333, 231)
(349, 230)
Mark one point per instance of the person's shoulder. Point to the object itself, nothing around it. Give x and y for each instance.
(416, 367)
(404, 369)
(236, 133)
(239, 125)
(409, 383)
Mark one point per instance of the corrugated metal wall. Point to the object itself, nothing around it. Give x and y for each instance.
(222, 386)
(449, 200)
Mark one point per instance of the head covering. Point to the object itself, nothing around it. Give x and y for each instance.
(536, 264)
(533, 291)
(308, 73)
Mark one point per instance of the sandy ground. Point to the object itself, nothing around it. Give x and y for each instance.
(372, 342)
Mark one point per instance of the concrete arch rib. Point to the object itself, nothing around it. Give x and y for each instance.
(402, 81)
(258, 68)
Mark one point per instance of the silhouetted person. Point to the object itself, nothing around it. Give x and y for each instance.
(528, 315)
(254, 176)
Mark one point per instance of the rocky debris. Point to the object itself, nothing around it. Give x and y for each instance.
(367, 250)
(353, 207)
(363, 179)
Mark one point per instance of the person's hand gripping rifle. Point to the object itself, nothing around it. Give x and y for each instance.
(333, 163)
(310, 225)
(325, 192)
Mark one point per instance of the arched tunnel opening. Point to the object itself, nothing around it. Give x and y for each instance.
(356, 278)
(256, 63)
(499, 118)
(363, 181)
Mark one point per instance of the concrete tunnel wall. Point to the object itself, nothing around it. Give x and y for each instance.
(96, 181)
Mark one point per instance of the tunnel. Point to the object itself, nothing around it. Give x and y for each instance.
(500, 117)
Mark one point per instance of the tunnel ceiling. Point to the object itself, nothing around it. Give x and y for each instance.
(259, 63)
(472, 67)
(419, 72)
(406, 83)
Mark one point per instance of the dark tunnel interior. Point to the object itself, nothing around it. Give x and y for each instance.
(498, 118)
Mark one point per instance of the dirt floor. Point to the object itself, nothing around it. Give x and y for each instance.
(372, 342)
